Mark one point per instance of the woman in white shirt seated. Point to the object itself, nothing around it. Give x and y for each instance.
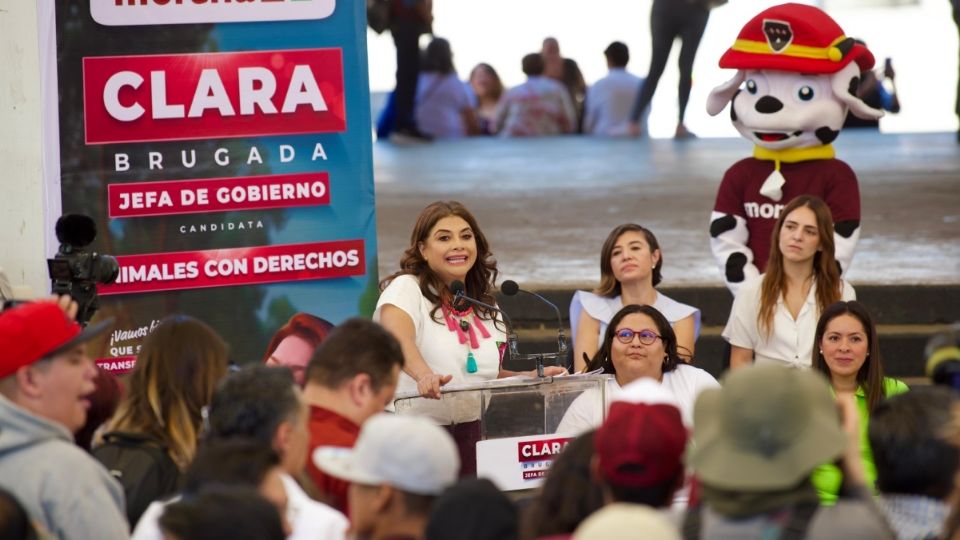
(444, 341)
(639, 343)
(630, 263)
(774, 315)
(444, 108)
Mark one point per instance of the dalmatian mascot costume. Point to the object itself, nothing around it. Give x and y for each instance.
(797, 75)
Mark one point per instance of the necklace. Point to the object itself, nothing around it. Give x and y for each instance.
(458, 323)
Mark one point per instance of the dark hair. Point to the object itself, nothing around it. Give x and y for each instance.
(356, 346)
(609, 286)
(230, 462)
(658, 496)
(825, 266)
(870, 375)
(910, 453)
(15, 524)
(480, 278)
(438, 57)
(221, 512)
(252, 403)
(497, 89)
(617, 53)
(533, 64)
(307, 327)
(472, 509)
(416, 504)
(569, 494)
(604, 357)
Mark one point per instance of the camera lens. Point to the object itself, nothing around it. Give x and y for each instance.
(105, 269)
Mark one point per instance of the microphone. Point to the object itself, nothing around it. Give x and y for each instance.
(510, 288)
(459, 294)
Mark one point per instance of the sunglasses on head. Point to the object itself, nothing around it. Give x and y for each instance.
(647, 337)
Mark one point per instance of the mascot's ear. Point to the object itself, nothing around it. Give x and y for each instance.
(721, 95)
(845, 83)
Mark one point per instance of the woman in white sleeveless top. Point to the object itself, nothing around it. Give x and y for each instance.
(630, 264)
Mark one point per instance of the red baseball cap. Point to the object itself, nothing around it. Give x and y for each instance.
(797, 38)
(38, 330)
(640, 444)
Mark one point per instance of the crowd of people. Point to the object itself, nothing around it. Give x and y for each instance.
(430, 100)
(804, 436)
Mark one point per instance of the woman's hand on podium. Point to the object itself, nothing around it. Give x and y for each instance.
(429, 384)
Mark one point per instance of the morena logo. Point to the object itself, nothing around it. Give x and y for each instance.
(150, 12)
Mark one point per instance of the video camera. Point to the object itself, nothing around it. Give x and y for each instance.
(76, 271)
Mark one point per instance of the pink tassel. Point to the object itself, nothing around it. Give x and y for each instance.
(453, 326)
(483, 329)
(474, 344)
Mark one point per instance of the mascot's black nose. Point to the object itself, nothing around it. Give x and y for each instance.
(768, 105)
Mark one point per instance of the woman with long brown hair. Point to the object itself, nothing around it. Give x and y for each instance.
(178, 367)
(774, 315)
(847, 351)
(443, 342)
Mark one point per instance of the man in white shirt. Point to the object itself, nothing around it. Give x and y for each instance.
(610, 99)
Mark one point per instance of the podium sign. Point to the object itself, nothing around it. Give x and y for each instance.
(506, 429)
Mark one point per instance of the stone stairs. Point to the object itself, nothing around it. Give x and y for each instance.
(906, 316)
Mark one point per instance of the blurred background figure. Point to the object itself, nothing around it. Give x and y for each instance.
(238, 513)
(487, 88)
(609, 101)
(540, 106)
(444, 109)
(878, 90)
(409, 19)
(568, 495)
(472, 509)
(293, 344)
(956, 19)
(565, 71)
(669, 20)
(103, 403)
(15, 524)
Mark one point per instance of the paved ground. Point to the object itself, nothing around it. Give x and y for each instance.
(546, 205)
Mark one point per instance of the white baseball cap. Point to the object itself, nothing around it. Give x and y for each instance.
(407, 452)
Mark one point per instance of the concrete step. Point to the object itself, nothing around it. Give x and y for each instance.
(901, 347)
(889, 304)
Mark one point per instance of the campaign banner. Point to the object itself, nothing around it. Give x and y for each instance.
(223, 151)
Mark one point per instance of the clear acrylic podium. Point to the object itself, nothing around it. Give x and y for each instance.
(506, 429)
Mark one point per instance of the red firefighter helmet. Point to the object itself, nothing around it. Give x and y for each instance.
(798, 38)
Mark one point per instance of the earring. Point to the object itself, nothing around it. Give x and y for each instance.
(821, 351)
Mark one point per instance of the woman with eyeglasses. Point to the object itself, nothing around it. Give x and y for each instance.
(638, 343)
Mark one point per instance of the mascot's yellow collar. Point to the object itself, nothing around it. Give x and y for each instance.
(793, 155)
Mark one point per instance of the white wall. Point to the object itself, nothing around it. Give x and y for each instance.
(22, 251)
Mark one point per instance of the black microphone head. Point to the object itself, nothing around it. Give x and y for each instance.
(509, 287)
(457, 287)
(77, 230)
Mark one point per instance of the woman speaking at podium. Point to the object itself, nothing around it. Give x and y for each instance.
(443, 342)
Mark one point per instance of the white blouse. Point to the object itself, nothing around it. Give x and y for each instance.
(603, 309)
(791, 340)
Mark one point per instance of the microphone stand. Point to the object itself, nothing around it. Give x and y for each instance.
(510, 288)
